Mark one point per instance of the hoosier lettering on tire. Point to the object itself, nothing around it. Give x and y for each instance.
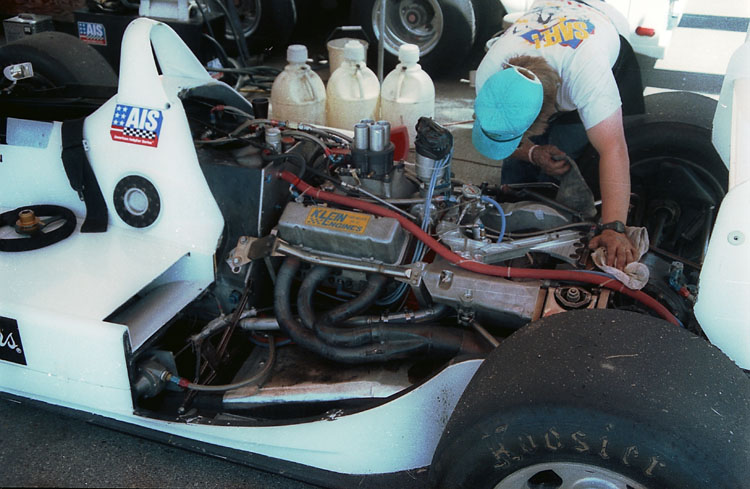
(603, 397)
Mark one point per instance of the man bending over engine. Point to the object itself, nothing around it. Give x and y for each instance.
(558, 78)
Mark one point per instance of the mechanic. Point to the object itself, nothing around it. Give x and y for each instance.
(560, 57)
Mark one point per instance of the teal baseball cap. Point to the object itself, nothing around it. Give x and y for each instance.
(505, 107)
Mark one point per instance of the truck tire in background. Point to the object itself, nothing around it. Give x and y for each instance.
(600, 398)
(444, 30)
(489, 15)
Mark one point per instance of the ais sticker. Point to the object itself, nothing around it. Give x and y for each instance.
(92, 33)
(136, 125)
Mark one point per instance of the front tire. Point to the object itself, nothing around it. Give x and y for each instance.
(614, 397)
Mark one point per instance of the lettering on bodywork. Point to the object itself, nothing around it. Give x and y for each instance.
(11, 348)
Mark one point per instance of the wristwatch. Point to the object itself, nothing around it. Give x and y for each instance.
(617, 226)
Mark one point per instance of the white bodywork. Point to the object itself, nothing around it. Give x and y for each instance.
(660, 15)
(62, 296)
(722, 308)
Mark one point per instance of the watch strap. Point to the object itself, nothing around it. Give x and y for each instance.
(617, 226)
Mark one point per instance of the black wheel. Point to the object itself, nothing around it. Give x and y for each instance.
(59, 59)
(677, 183)
(444, 30)
(600, 398)
(36, 226)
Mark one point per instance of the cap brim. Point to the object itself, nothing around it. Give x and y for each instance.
(492, 149)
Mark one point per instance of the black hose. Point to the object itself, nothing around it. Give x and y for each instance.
(363, 345)
(305, 294)
(342, 312)
(307, 339)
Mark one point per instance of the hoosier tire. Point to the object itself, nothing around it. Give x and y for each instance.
(614, 397)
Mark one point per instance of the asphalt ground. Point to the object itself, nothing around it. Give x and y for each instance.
(39, 448)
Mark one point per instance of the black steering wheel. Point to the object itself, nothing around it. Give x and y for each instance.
(31, 221)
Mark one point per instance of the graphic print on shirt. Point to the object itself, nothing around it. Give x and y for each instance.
(136, 125)
(544, 26)
(567, 32)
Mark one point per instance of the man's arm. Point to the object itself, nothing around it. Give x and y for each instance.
(608, 138)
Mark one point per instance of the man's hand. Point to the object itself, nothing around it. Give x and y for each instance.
(550, 159)
(620, 251)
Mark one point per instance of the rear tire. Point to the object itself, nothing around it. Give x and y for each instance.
(675, 172)
(613, 396)
(59, 59)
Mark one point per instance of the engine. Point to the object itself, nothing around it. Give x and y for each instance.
(346, 249)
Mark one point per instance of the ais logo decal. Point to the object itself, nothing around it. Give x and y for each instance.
(92, 33)
(136, 125)
(569, 33)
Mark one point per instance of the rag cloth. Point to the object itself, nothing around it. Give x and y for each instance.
(635, 275)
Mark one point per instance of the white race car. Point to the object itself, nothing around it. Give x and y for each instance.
(304, 300)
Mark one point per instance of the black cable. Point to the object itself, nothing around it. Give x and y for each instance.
(205, 20)
(239, 39)
(219, 48)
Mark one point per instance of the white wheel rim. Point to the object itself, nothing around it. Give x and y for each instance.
(565, 475)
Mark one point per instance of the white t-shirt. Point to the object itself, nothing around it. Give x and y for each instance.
(579, 41)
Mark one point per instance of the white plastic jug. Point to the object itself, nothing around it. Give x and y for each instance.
(407, 93)
(336, 48)
(298, 93)
(353, 90)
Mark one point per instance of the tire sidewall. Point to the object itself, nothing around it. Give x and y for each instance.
(661, 139)
(61, 59)
(583, 376)
(531, 435)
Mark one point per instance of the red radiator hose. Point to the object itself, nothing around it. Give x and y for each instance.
(475, 266)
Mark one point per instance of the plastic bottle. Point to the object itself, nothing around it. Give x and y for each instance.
(407, 93)
(353, 90)
(298, 93)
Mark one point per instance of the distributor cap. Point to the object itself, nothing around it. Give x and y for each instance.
(433, 140)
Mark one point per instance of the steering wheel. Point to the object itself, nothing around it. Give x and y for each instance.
(28, 224)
